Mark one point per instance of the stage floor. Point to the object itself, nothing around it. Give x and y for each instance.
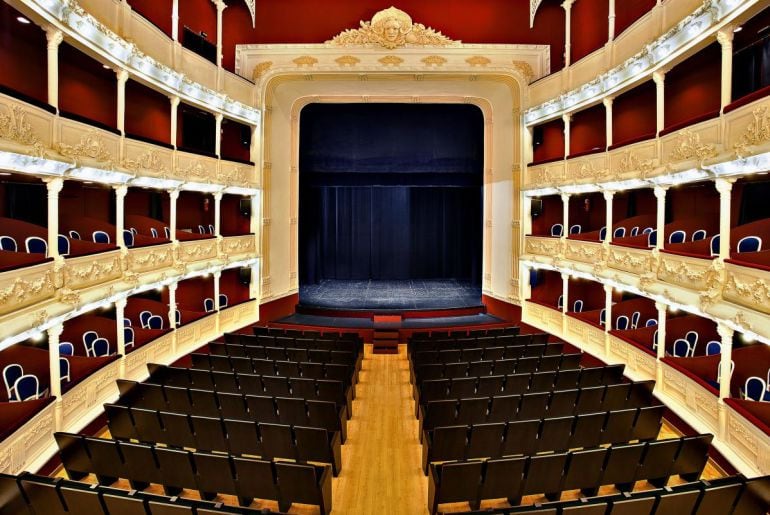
(393, 295)
(408, 323)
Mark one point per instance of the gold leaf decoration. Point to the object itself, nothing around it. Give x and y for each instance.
(347, 60)
(756, 133)
(260, 69)
(433, 60)
(478, 60)
(90, 146)
(305, 60)
(14, 127)
(689, 146)
(149, 161)
(391, 60)
(524, 69)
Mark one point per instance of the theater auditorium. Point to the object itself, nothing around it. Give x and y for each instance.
(356, 257)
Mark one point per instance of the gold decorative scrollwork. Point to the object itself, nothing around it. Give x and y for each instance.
(149, 161)
(260, 69)
(756, 133)
(434, 60)
(630, 163)
(14, 127)
(689, 146)
(347, 60)
(305, 60)
(21, 290)
(90, 146)
(390, 60)
(524, 69)
(478, 60)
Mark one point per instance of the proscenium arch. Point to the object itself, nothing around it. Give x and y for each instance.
(498, 96)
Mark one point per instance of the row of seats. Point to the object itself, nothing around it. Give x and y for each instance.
(550, 474)
(483, 331)
(29, 494)
(558, 403)
(494, 367)
(486, 353)
(238, 437)
(563, 379)
(274, 386)
(530, 437)
(306, 333)
(259, 408)
(282, 353)
(301, 342)
(465, 342)
(210, 474)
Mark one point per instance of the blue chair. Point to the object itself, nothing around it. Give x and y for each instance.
(560, 302)
(635, 319)
(8, 243)
(64, 370)
(11, 373)
(557, 230)
(750, 244)
(692, 338)
(100, 237)
(36, 245)
(201, 229)
(755, 389)
(74, 234)
(66, 349)
(603, 234)
(652, 239)
(208, 305)
(126, 322)
(713, 347)
(716, 383)
(602, 317)
(715, 245)
(88, 341)
(651, 322)
(577, 306)
(177, 317)
(576, 229)
(619, 232)
(144, 316)
(634, 231)
(677, 237)
(63, 244)
(134, 231)
(167, 230)
(223, 300)
(681, 348)
(128, 337)
(621, 323)
(153, 232)
(655, 340)
(700, 234)
(211, 229)
(100, 347)
(647, 230)
(27, 388)
(128, 238)
(155, 322)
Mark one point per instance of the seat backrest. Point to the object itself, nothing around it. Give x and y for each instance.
(223, 300)
(678, 236)
(128, 336)
(36, 245)
(460, 481)
(557, 230)
(577, 306)
(208, 305)
(298, 483)
(63, 245)
(575, 229)
(603, 234)
(75, 235)
(64, 369)
(652, 238)
(692, 337)
(714, 245)
(634, 230)
(619, 232)
(100, 237)
(8, 243)
(749, 244)
(155, 322)
(713, 347)
(153, 232)
(621, 323)
(144, 316)
(100, 347)
(11, 373)
(167, 232)
(650, 322)
(544, 474)
(754, 388)
(681, 348)
(635, 319)
(128, 238)
(503, 478)
(27, 387)
(700, 234)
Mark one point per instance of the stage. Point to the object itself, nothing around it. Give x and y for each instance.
(389, 296)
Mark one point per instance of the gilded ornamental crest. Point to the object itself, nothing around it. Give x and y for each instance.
(391, 28)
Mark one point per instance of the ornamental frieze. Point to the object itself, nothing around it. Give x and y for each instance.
(688, 146)
(756, 133)
(91, 146)
(14, 127)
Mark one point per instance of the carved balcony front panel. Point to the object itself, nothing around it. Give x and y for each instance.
(548, 319)
(690, 394)
(160, 350)
(189, 335)
(87, 146)
(198, 69)
(85, 271)
(27, 286)
(196, 168)
(631, 260)
(25, 129)
(545, 175)
(542, 246)
(695, 273)
(592, 336)
(24, 447)
(235, 317)
(147, 160)
(238, 247)
(633, 161)
(584, 251)
(748, 287)
(690, 147)
(239, 88)
(84, 402)
(747, 440)
(152, 41)
(642, 364)
(106, 11)
(150, 259)
(197, 250)
(588, 169)
(747, 129)
(237, 174)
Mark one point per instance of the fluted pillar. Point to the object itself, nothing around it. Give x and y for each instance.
(726, 335)
(217, 275)
(567, 6)
(120, 314)
(172, 305)
(567, 119)
(122, 79)
(53, 186)
(54, 38)
(174, 114)
(174, 196)
(218, 134)
(725, 188)
(611, 19)
(725, 38)
(221, 6)
(609, 197)
(608, 113)
(565, 293)
(175, 20)
(217, 213)
(565, 214)
(660, 194)
(662, 316)
(659, 78)
(53, 360)
(120, 215)
(608, 290)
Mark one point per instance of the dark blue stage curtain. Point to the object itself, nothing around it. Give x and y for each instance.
(390, 191)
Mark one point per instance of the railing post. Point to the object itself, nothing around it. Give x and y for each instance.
(54, 38)
(725, 38)
(54, 186)
(726, 334)
(725, 188)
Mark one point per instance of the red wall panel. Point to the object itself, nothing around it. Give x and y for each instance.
(549, 141)
(200, 16)
(628, 11)
(590, 292)
(589, 29)
(549, 289)
(699, 202)
(191, 292)
(230, 285)
(148, 113)
(553, 213)
(23, 56)
(86, 88)
(693, 88)
(279, 308)
(81, 200)
(233, 135)
(481, 21)
(157, 11)
(588, 130)
(503, 310)
(232, 222)
(588, 210)
(193, 210)
(634, 114)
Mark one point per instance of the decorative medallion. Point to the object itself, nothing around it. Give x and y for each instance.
(305, 60)
(391, 60)
(347, 60)
(260, 68)
(433, 60)
(391, 28)
(524, 69)
(478, 60)
(91, 146)
(689, 146)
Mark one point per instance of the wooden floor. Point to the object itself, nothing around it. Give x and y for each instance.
(381, 470)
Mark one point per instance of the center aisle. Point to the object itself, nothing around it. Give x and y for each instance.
(381, 458)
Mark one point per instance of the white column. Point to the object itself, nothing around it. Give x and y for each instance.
(173, 195)
(174, 113)
(567, 6)
(726, 334)
(218, 135)
(725, 38)
(660, 194)
(607, 308)
(53, 360)
(567, 119)
(120, 313)
(217, 275)
(122, 79)
(565, 214)
(217, 213)
(725, 188)
(54, 38)
(659, 78)
(120, 224)
(611, 25)
(175, 20)
(172, 305)
(662, 315)
(254, 284)
(608, 112)
(256, 218)
(221, 6)
(565, 293)
(53, 186)
(609, 196)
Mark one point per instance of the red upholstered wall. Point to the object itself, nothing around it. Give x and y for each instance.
(699, 201)
(588, 130)
(230, 285)
(157, 11)
(588, 210)
(148, 113)
(86, 88)
(22, 55)
(199, 15)
(191, 292)
(500, 309)
(634, 114)
(278, 308)
(191, 210)
(549, 289)
(693, 87)
(74, 329)
(553, 213)
(232, 137)
(480, 21)
(589, 26)
(82, 200)
(628, 11)
(233, 223)
(551, 139)
(590, 292)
